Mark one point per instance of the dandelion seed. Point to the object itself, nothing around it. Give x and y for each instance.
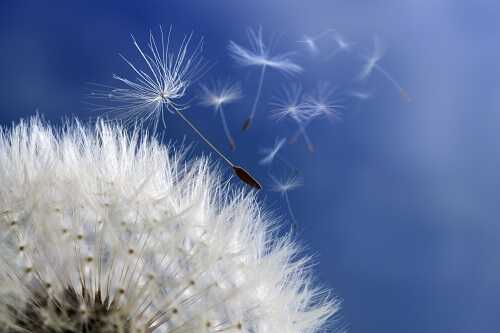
(270, 153)
(116, 233)
(285, 185)
(372, 63)
(161, 85)
(361, 95)
(343, 45)
(161, 82)
(372, 60)
(260, 55)
(273, 153)
(323, 102)
(289, 104)
(310, 42)
(217, 95)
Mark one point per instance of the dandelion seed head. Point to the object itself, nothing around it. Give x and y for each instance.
(260, 55)
(219, 93)
(372, 60)
(106, 230)
(362, 95)
(323, 102)
(286, 184)
(270, 153)
(342, 44)
(289, 104)
(341, 41)
(160, 83)
(311, 42)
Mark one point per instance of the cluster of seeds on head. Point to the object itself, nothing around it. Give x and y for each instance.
(123, 237)
(67, 312)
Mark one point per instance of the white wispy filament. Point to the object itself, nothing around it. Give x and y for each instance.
(104, 230)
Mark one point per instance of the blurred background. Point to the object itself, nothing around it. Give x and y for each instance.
(400, 201)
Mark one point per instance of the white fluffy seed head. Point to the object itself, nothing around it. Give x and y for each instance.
(104, 230)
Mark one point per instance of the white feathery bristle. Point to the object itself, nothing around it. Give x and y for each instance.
(106, 230)
(260, 55)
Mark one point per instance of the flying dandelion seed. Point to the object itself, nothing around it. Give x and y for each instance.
(372, 60)
(372, 64)
(106, 230)
(311, 42)
(343, 45)
(272, 153)
(161, 82)
(361, 95)
(321, 102)
(283, 186)
(161, 86)
(217, 95)
(289, 104)
(260, 55)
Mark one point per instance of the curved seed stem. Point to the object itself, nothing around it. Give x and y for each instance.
(289, 206)
(248, 122)
(238, 171)
(395, 83)
(215, 149)
(229, 137)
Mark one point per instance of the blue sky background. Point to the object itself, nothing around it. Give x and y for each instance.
(400, 200)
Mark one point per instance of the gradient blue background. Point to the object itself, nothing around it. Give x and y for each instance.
(400, 202)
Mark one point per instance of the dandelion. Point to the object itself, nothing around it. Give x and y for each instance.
(161, 85)
(285, 185)
(260, 55)
(217, 95)
(311, 42)
(361, 95)
(372, 63)
(321, 102)
(272, 153)
(107, 230)
(289, 104)
(342, 43)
